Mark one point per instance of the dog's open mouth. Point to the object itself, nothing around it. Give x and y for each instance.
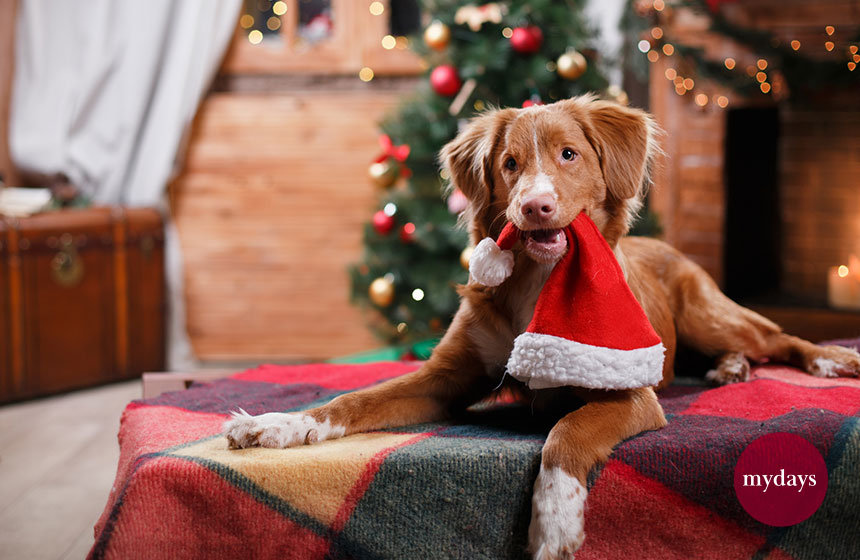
(545, 245)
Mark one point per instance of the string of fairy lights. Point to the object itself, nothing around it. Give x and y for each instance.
(682, 70)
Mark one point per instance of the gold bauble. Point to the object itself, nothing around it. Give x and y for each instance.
(437, 35)
(466, 256)
(383, 174)
(615, 93)
(571, 65)
(381, 292)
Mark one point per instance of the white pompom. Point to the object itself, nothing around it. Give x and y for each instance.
(489, 265)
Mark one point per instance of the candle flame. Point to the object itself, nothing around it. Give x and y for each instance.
(842, 271)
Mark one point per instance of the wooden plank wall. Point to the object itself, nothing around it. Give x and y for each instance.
(269, 209)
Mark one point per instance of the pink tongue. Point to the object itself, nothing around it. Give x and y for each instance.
(545, 236)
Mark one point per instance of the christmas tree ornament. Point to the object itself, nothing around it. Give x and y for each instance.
(437, 35)
(397, 153)
(381, 292)
(383, 173)
(476, 16)
(526, 40)
(382, 222)
(618, 95)
(571, 65)
(457, 202)
(466, 256)
(532, 101)
(445, 81)
(462, 96)
(407, 233)
(575, 323)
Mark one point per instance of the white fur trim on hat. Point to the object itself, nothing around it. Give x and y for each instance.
(489, 265)
(543, 361)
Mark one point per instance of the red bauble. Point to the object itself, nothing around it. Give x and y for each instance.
(407, 232)
(383, 223)
(532, 102)
(445, 81)
(527, 40)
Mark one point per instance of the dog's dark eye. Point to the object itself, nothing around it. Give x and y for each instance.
(568, 154)
(511, 164)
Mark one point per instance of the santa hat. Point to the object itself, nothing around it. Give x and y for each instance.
(588, 330)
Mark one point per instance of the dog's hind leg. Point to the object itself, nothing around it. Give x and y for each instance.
(712, 323)
(732, 367)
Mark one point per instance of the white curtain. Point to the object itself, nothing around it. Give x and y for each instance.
(105, 91)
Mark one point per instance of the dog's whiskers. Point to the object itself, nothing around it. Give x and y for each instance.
(501, 214)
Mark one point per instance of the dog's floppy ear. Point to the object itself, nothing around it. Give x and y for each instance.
(468, 158)
(625, 141)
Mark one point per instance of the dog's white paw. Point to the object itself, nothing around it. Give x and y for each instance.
(277, 430)
(731, 368)
(558, 509)
(834, 361)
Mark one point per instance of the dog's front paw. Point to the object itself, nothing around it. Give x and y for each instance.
(558, 506)
(834, 361)
(277, 430)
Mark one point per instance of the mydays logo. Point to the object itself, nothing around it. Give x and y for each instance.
(780, 479)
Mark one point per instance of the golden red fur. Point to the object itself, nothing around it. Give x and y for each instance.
(539, 167)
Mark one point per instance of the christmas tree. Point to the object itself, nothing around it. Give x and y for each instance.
(503, 54)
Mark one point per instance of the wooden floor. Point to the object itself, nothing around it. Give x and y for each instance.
(58, 460)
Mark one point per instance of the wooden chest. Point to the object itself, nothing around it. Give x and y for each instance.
(82, 299)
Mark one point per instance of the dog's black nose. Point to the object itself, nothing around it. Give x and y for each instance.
(539, 208)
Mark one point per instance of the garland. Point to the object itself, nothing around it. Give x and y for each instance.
(766, 64)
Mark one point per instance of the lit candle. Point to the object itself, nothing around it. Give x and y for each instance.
(843, 285)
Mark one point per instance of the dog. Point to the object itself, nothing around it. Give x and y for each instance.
(539, 168)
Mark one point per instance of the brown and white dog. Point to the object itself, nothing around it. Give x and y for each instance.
(538, 168)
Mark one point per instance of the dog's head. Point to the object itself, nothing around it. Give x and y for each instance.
(540, 167)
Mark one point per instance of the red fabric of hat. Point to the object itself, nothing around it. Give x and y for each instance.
(588, 329)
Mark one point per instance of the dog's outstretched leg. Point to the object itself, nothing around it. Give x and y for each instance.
(578, 442)
(453, 378)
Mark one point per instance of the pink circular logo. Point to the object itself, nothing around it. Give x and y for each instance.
(780, 479)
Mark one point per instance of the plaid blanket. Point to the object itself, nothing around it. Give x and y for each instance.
(462, 489)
